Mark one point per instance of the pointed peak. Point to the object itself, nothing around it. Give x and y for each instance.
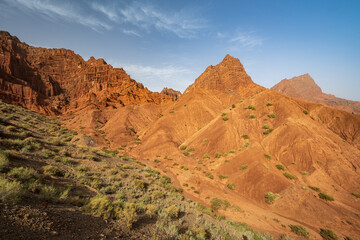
(230, 59)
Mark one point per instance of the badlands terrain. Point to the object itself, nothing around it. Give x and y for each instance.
(251, 163)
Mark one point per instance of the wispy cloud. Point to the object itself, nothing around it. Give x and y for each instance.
(247, 40)
(131, 32)
(147, 18)
(64, 11)
(157, 78)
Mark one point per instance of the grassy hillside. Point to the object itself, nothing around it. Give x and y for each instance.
(52, 188)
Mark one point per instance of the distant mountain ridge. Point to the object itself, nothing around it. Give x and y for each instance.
(304, 87)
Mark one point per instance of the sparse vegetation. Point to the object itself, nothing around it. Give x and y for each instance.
(183, 147)
(231, 186)
(216, 204)
(252, 116)
(314, 188)
(243, 167)
(206, 156)
(306, 112)
(327, 234)
(325, 196)
(268, 156)
(271, 115)
(271, 197)
(356, 195)
(245, 136)
(4, 160)
(299, 230)
(280, 167)
(289, 175)
(250, 107)
(269, 104)
(218, 155)
(225, 118)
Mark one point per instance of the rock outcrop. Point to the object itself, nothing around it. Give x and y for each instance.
(171, 93)
(58, 80)
(305, 88)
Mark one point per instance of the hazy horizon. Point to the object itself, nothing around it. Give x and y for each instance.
(169, 44)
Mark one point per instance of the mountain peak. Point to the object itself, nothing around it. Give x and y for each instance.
(227, 76)
(300, 86)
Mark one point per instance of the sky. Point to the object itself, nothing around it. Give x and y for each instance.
(169, 43)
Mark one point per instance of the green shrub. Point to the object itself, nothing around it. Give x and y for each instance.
(10, 191)
(233, 105)
(271, 197)
(269, 104)
(231, 186)
(186, 153)
(52, 171)
(46, 153)
(225, 118)
(4, 160)
(218, 155)
(100, 206)
(327, 234)
(205, 140)
(158, 195)
(267, 131)
(216, 203)
(191, 149)
(250, 107)
(306, 112)
(243, 167)
(268, 156)
(271, 115)
(206, 156)
(280, 167)
(299, 230)
(23, 174)
(173, 211)
(304, 173)
(314, 188)
(289, 175)
(252, 116)
(183, 147)
(356, 195)
(266, 126)
(222, 176)
(325, 197)
(245, 136)
(49, 193)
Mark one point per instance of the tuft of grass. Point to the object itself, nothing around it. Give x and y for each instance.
(231, 186)
(173, 211)
(271, 115)
(205, 140)
(280, 167)
(4, 160)
(183, 147)
(216, 203)
(299, 230)
(268, 156)
(325, 196)
(314, 188)
(271, 197)
(222, 176)
(306, 112)
(327, 234)
(252, 116)
(250, 107)
(356, 194)
(243, 167)
(10, 191)
(206, 156)
(267, 131)
(269, 104)
(233, 105)
(218, 155)
(304, 173)
(289, 175)
(245, 136)
(266, 126)
(225, 118)
(22, 174)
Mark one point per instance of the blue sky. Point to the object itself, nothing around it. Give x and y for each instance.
(168, 43)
